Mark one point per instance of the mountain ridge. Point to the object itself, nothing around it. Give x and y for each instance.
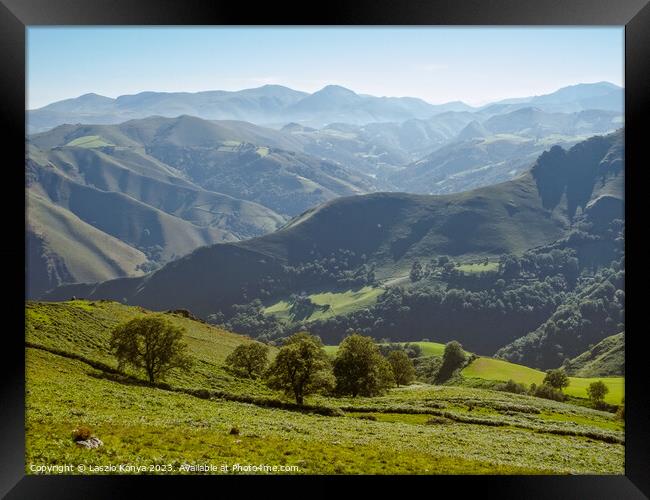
(275, 104)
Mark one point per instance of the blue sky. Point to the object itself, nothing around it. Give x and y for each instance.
(475, 65)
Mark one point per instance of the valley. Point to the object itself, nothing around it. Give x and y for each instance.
(348, 284)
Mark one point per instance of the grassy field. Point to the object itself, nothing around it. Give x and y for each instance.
(89, 141)
(418, 429)
(478, 268)
(496, 369)
(335, 303)
(428, 348)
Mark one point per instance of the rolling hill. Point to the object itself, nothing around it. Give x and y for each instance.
(161, 188)
(605, 359)
(233, 158)
(95, 216)
(496, 369)
(388, 230)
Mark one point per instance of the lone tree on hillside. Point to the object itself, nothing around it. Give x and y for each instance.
(301, 367)
(453, 358)
(557, 378)
(403, 369)
(150, 343)
(597, 391)
(360, 369)
(249, 360)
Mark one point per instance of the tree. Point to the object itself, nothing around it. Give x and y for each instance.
(556, 378)
(249, 359)
(417, 272)
(151, 343)
(597, 391)
(360, 369)
(509, 266)
(452, 359)
(402, 366)
(301, 367)
(442, 260)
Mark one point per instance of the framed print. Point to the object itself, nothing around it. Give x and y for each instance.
(267, 245)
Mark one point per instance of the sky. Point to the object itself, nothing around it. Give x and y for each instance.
(437, 64)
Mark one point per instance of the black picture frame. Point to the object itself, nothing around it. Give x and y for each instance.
(16, 15)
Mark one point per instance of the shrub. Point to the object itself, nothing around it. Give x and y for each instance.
(81, 433)
(427, 368)
(438, 420)
(512, 386)
(402, 366)
(597, 391)
(620, 413)
(453, 359)
(557, 378)
(547, 391)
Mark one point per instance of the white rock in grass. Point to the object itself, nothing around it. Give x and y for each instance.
(93, 442)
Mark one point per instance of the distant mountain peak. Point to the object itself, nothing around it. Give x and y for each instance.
(335, 90)
(473, 130)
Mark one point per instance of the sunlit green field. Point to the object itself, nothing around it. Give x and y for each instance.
(428, 348)
(496, 369)
(478, 268)
(89, 141)
(337, 302)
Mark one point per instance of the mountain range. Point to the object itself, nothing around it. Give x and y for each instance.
(278, 105)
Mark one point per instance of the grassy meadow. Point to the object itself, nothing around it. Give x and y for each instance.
(417, 429)
(331, 303)
(497, 369)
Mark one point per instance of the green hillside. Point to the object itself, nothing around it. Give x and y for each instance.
(548, 347)
(418, 429)
(83, 328)
(173, 185)
(605, 359)
(389, 229)
(496, 369)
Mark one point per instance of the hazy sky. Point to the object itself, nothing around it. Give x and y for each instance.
(475, 65)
